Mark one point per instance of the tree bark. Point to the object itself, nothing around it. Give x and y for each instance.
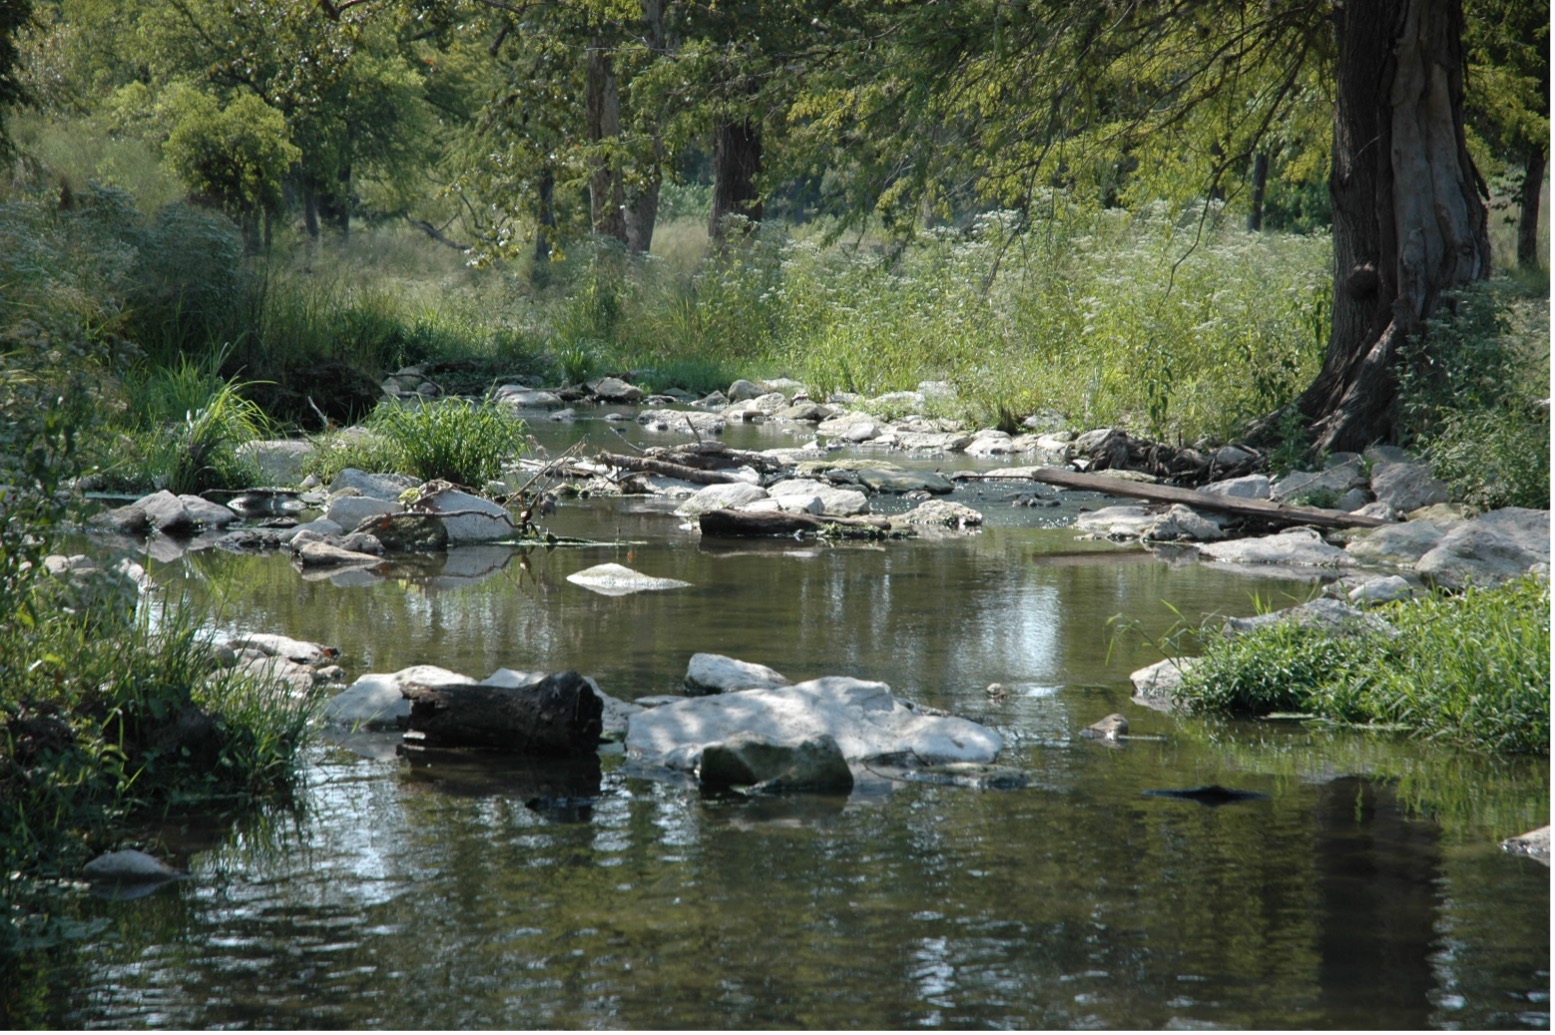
(1528, 219)
(603, 106)
(642, 203)
(1260, 184)
(1409, 221)
(736, 164)
(558, 717)
(545, 226)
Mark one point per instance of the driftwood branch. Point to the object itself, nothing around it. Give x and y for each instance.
(653, 465)
(1262, 510)
(744, 524)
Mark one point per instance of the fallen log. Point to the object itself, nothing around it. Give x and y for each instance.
(558, 717)
(653, 465)
(1262, 510)
(745, 524)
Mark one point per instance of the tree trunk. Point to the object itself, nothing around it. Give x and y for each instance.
(642, 203)
(1260, 184)
(1528, 219)
(1409, 221)
(545, 228)
(603, 104)
(736, 164)
(558, 717)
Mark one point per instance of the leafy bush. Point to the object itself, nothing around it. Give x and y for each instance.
(451, 439)
(364, 450)
(1472, 670)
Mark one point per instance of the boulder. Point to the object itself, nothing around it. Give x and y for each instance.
(318, 553)
(1186, 524)
(864, 718)
(279, 460)
(715, 673)
(750, 760)
(320, 528)
(1492, 549)
(943, 513)
(1292, 548)
(376, 698)
(379, 486)
(1535, 844)
(1330, 616)
(1401, 544)
(411, 532)
(617, 580)
(350, 512)
(1406, 487)
(615, 390)
(1155, 685)
(990, 443)
(206, 514)
(466, 517)
(166, 513)
(301, 652)
(932, 441)
(1381, 590)
(521, 397)
(833, 500)
(898, 482)
(741, 390)
(1125, 521)
(682, 422)
(129, 866)
(1249, 487)
(1343, 473)
(721, 497)
(1113, 727)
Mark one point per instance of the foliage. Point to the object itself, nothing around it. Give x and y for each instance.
(1474, 397)
(234, 153)
(364, 450)
(206, 445)
(1472, 670)
(451, 439)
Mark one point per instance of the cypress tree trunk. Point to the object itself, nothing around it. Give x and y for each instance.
(736, 164)
(1528, 219)
(1409, 220)
(603, 104)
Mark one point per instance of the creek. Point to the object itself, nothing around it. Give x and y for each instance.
(1365, 890)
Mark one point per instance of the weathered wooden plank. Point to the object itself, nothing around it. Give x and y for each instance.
(1263, 510)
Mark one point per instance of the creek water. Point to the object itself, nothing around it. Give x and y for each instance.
(1363, 890)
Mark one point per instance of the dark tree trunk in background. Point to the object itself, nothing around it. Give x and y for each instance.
(642, 203)
(736, 164)
(1409, 220)
(1260, 184)
(545, 218)
(603, 105)
(1528, 219)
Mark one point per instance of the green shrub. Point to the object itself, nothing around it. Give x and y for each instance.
(1471, 670)
(451, 439)
(370, 451)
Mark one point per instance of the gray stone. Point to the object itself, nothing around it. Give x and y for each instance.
(804, 413)
(376, 700)
(742, 390)
(716, 674)
(1444, 515)
(350, 511)
(1330, 616)
(1158, 682)
(166, 513)
(1185, 524)
(905, 481)
(520, 397)
(1535, 844)
(832, 500)
(1249, 487)
(128, 866)
(617, 580)
(1293, 548)
(721, 497)
(932, 441)
(1113, 727)
(378, 486)
(321, 528)
(943, 514)
(1492, 549)
(302, 652)
(468, 518)
(1381, 590)
(1124, 521)
(864, 718)
(613, 389)
(1407, 487)
(1335, 480)
(750, 760)
(1401, 545)
(683, 422)
(206, 514)
(411, 532)
(1232, 456)
(990, 443)
(1352, 500)
(314, 553)
(279, 460)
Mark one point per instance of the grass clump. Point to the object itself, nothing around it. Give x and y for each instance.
(451, 439)
(1471, 670)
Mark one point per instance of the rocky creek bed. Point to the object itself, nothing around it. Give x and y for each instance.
(928, 604)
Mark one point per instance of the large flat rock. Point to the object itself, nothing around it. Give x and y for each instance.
(1490, 550)
(864, 718)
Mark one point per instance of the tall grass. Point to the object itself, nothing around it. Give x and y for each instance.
(451, 439)
(1472, 670)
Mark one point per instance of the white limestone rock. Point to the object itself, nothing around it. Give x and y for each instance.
(716, 674)
(617, 580)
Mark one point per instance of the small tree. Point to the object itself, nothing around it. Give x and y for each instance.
(233, 155)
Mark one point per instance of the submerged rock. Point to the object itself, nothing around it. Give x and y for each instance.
(1113, 727)
(617, 580)
(1535, 844)
(864, 718)
(1210, 795)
